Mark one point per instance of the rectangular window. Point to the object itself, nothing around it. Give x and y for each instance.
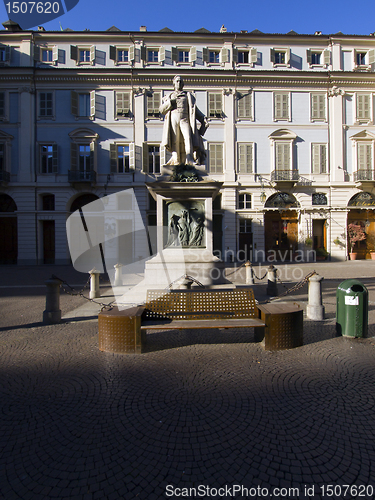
(244, 201)
(48, 158)
(361, 58)
(123, 159)
(364, 107)
(215, 158)
(84, 160)
(47, 55)
(283, 157)
(318, 107)
(122, 55)
(364, 151)
(122, 104)
(244, 106)
(4, 54)
(152, 56)
(245, 225)
(279, 57)
(245, 158)
(46, 104)
(153, 159)
(315, 57)
(83, 104)
(214, 56)
(48, 202)
(215, 105)
(281, 106)
(243, 57)
(183, 56)
(2, 104)
(153, 104)
(319, 158)
(84, 55)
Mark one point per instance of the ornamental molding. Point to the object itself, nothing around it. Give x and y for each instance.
(336, 91)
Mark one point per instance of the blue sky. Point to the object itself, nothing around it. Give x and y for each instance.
(272, 16)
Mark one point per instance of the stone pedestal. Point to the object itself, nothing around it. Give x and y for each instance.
(315, 308)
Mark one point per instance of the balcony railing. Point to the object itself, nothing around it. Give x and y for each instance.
(285, 175)
(77, 176)
(364, 175)
(4, 176)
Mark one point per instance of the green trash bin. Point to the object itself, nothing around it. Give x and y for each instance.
(352, 309)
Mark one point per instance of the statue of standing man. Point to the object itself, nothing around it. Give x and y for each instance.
(180, 134)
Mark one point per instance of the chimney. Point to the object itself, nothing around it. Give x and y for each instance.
(143, 28)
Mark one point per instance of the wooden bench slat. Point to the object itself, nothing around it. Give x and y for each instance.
(197, 324)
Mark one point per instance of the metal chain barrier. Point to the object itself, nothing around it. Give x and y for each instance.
(236, 269)
(262, 278)
(186, 277)
(293, 288)
(74, 293)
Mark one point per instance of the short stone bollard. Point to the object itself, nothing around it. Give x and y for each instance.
(249, 273)
(272, 284)
(118, 277)
(52, 313)
(315, 308)
(94, 284)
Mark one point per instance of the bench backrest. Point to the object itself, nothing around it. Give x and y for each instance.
(201, 304)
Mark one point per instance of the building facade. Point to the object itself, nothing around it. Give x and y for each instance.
(291, 135)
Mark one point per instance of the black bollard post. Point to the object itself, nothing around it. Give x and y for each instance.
(52, 313)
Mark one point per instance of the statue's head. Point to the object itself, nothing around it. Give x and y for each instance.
(178, 82)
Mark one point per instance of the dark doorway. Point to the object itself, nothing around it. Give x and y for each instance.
(8, 240)
(48, 241)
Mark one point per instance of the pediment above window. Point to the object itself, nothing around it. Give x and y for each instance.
(83, 134)
(283, 133)
(363, 135)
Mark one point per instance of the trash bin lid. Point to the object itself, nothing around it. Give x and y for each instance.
(352, 287)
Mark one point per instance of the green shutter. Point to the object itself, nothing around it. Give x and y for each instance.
(143, 53)
(73, 156)
(74, 52)
(174, 52)
(54, 159)
(92, 103)
(112, 53)
(74, 102)
(235, 55)
(193, 54)
(272, 55)
(308, 55)
(205, 54)
(113, 157)
(7, 53)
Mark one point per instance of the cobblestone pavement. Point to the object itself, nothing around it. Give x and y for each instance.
(200, 409)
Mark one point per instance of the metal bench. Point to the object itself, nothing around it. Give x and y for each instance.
(125, 331)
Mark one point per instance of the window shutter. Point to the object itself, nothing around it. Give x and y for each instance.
(326, 57)
(162, 54)
(235, 55)
(288, 56)
(36, 53)
(224, 55)
(253, 55)
(73, 156)
(74, 52)
(143, 53)
(308, 56)
(364, 156)
(272, 55)
(315, 106)
(193, 54)
(132, 156)
(55, 53)
(366, 106)
(323, 159)
(315, 158)
(131, 53)
(244, 106)
(371, 56)
(156, 100)
(285, 106)
(282, 156)
(322, 106)
(363, 107)
(205, 53)
(145, 157)
(74, 102)
(54, 158)
(92, 156)
(92, 103)
(245, 158)
(92, 54)
(174, 52)
(113, 157)
(112, 53)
